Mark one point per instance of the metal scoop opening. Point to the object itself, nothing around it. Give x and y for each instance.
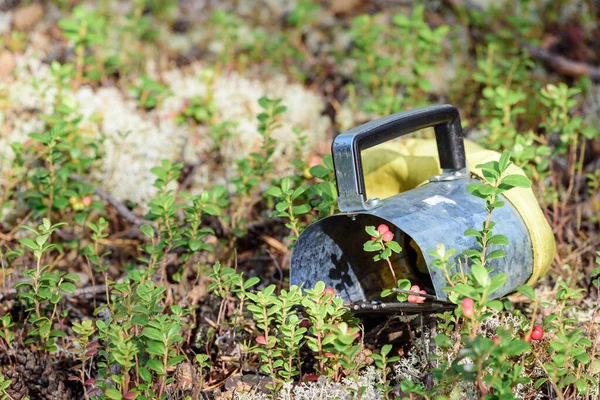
(331, 251)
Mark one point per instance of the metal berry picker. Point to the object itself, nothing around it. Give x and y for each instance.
(424, 204)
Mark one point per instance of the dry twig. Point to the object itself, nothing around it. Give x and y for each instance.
(116, 204)
(563, 65)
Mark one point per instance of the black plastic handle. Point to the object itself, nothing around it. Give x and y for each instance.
(346, 147)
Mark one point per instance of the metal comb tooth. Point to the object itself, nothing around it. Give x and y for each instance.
(389, 308)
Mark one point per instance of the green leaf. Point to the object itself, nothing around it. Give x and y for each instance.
(504, 161)
(274, 191)
(582, 386)
(195, 244)
(113, 394)
(302, 209)
(527, 291)
(57, 333)
(285, 184)
(464, 289)
(147, 230)
(60, 203)
(517, 347)
(155, 348)
(516, 180)
(371, 231)
(319, 171)
(156, 366)
(386, 253)
(540, 382)
(145, 374)
(175, 360)
(472, 232)
(153, 334)
(394, 246)
(385, 350)
(41, 239)
(68, 287)
(371, 246)
(251, 282)
(495, 305)
(298, 192)
(497, 282)
(29, 243)
(481, 275)
(212, 209)
(495, 254)
(282, 206)
(498, 240)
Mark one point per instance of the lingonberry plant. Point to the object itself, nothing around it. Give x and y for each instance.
(43, 291)
(382, 361)
(285, 207)
(84, 29)
(4, 384)
(382, 72)
(95, 255)
(85, 350)
(6, 333)
(382, 242)
(197, 110)
(149, 93)
(258, 167)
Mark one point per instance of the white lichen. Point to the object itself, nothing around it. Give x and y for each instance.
(135, 140)
(325, 388)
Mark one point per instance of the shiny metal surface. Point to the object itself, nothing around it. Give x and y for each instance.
(331, 250)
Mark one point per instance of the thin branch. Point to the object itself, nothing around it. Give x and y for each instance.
(564, 65)
(116, 204)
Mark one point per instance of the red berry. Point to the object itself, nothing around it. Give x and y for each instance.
(311, 377)
(329, 291)
(537, 333)
(305, 323)
(388, 236)
(314, 161)
(415, 288)
(383, 228)
(373, 238)
(87, 201)
(467, 305)
(468, 302)
(496, 340)
(412, 298)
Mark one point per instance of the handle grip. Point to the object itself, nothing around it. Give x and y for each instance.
(346, 148)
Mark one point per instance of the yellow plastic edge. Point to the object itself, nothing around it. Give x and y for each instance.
(395, 167)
